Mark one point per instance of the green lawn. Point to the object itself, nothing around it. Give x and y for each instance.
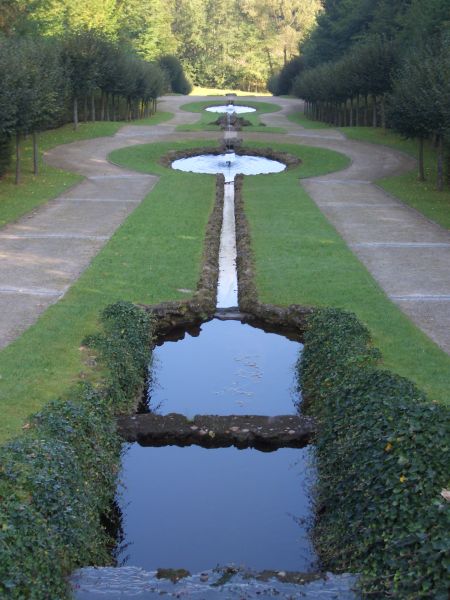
(206, 121)
(301, 259)
(153, 254)
(17, 200)
(301, 119)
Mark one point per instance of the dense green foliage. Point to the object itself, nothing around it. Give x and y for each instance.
(177, 81)
(382, 455)
(221, 43)
(41, 79)
(281, 83)
(381, 64)
(58, 480)
(123, 348)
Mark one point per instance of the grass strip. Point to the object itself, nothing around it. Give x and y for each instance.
(301, 119)
(17, 200)
(206, 121)
(301, 259)
(155, 253)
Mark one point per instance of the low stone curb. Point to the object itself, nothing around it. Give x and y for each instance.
(211, 431)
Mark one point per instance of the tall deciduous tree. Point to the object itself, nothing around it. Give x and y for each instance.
(282, 25)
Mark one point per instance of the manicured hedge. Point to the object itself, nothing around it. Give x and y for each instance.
(58, 480)
(383, 460)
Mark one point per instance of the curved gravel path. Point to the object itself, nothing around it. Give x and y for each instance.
(407, 254)
(45, 251)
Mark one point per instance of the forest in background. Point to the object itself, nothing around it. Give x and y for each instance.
(221, 43)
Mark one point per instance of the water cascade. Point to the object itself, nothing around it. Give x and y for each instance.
(196, 508)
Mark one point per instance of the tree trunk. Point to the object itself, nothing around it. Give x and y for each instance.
(374, 111)
(440, 165)
(92, 107)
(421, 174)
(17, 180)
(35, 154)
(366, 111)
(357, 111)
(75, 113)
(85, 108)
(383, 112)
(102, 106)
(270, 61)
(351, 111)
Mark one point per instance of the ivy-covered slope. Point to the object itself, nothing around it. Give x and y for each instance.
(383, 460)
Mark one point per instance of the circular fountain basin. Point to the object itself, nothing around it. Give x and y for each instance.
(229, 166)
(231, 108)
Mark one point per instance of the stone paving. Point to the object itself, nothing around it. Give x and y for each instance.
(46, 250)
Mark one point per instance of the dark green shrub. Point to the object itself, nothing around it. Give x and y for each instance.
(176, 78)
(383, 455)
(123, 347)
(58, 480)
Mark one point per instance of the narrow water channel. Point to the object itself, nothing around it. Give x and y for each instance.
(200, 509)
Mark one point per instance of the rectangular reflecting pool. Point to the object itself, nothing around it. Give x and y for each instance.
(194, 508)
(230, 368)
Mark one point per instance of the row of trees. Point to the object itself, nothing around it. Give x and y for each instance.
(352, 90)
(48, 81)
(380, 64)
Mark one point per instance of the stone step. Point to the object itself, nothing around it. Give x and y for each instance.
(212, 431)
(226, 583)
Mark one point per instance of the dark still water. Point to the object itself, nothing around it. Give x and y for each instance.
(230, 368)
(194, 508)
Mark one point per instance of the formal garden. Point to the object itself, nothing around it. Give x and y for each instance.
(224, 299)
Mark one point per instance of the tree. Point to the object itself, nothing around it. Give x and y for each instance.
(419, 104)
(81, 52)
(282, 25)
(175, 76)
(282, 82)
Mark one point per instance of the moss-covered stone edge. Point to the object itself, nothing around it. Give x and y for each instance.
(58, 479)
(382, 459)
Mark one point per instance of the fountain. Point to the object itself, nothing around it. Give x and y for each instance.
(194, 507)
(231, 108)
